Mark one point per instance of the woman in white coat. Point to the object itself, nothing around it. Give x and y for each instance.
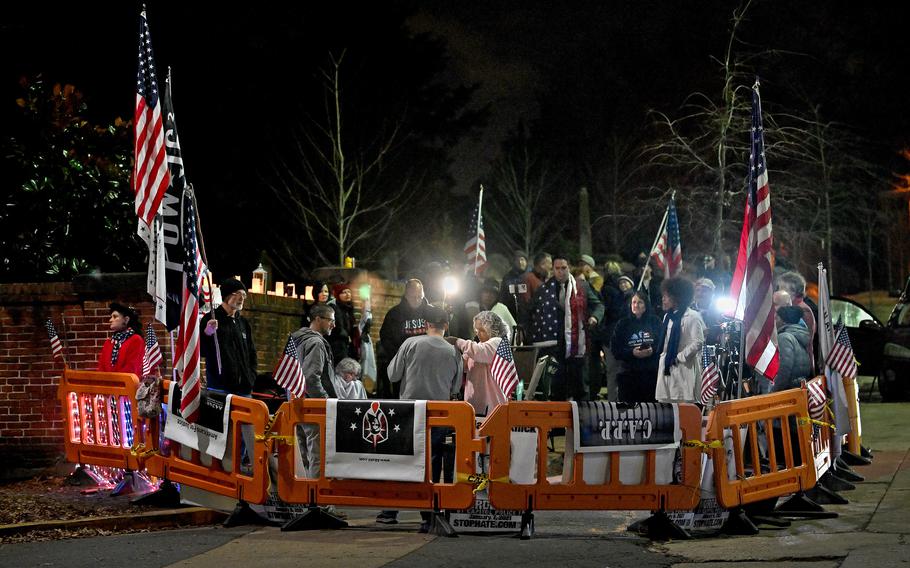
(679, 367)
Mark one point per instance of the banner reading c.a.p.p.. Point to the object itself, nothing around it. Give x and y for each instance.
(376, 439)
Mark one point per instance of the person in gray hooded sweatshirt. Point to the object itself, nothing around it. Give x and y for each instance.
(315, 357)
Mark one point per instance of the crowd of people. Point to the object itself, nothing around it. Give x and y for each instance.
(623, 337)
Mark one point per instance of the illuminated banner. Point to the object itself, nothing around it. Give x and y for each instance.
(608, 427)
(210, 433)
(376, 439)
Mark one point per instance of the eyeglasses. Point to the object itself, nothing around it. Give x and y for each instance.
(325, 318)
(240, 293)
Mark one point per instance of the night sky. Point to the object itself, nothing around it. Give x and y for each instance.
(241, 74)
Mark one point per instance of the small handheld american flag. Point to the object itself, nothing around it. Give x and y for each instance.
(817, 399)
(152, 351)
(710, 376)
(841, 358)
(56, 346)
(503, 368)
(288, 374)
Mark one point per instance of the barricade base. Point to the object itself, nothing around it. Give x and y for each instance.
(440, 526)
(244, 515)
(846, 473)
(659, 526)
(738, 523)
(853, 459)
(165, 496)
(824, 496)
(316, 518)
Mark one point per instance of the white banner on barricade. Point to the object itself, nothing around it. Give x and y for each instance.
(708, 516)
(481, 516)
(376, 439)
(599, 428)
(210, 434)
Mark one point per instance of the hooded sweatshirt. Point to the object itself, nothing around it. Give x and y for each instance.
(315, 358)
(400, 323)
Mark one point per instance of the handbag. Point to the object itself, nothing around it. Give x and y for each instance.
(148, 397)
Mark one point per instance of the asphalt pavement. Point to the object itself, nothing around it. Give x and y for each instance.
(872, 530)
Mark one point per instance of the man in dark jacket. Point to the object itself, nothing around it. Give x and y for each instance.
(316, 364)
(401, 322)
(227, 343)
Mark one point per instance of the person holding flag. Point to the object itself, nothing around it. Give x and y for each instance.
(227, 343)
(488, 362)
(124, 350)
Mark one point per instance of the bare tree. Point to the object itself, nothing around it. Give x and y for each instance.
(707, 146)
(332, 189)
(522, 210)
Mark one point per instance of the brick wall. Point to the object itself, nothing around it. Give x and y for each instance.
(31, 423)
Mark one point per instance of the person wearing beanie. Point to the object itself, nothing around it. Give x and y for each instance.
(586, 264)
(226, 342)
(123, 350)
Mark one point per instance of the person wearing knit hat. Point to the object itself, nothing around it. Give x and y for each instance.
(625, 284)
(226, 342)
(123, 350)
(587, 264)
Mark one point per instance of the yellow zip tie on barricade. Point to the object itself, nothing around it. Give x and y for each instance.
(803, 420)
(703, 446)
(480, 481)
(139, 451)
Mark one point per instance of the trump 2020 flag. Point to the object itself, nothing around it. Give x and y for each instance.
(376, 439)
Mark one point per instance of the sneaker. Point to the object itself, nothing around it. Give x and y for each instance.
(424, 528)
(333, 511)
(387, 518)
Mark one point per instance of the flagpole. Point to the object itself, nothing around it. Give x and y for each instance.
(477, 234)
(660, 230)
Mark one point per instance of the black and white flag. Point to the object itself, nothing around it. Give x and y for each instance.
(209, 434)
(608, 427)
(376, 439)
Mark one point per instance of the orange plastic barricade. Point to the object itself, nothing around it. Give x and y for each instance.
(576, 494)
(821, 431)
(99, 417)
(251, 486)
(740, 419)
(378, 494)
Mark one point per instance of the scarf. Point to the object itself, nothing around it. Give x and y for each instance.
(673, 342)
(117, 341)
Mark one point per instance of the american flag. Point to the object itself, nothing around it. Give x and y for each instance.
(817, 399)
(186, 350)
(152, 351)
(288, 373)
(668, 251)
(150, 173)
(710, 376)
(503, 368)
(56, 347)
(475, 249)
(753, 280)
(841, 358)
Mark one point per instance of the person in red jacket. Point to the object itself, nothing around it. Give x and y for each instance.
(123, 351)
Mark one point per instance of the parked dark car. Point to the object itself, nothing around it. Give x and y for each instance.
(882, 350)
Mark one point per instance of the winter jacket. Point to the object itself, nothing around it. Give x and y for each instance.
(632, 332)
(235, 346)
(129, 358)
(793, 342)
(683, 383)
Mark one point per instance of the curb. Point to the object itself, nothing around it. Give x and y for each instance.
(167, 518)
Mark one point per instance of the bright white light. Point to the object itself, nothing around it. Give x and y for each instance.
(450, 285)
(724, 304)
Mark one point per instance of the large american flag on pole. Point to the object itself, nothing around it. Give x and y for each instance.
(841, 357)
(753, 280)
(475, 249)
(288, 373)
(152, 356)
(668, 252)
(150, 173)
(503, 368)
(186, 350)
